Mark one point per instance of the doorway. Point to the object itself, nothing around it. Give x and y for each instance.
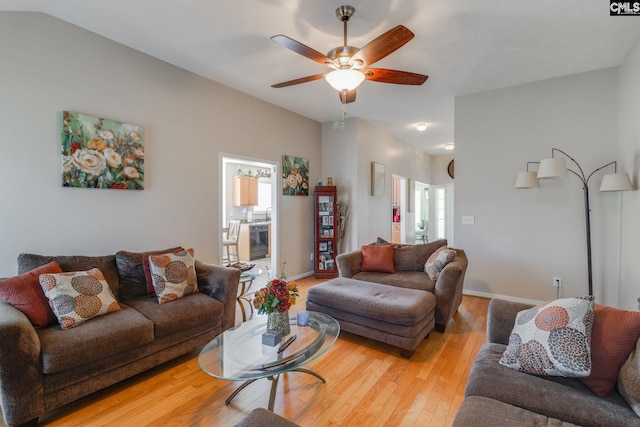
(441, 210)
(249, 194)
(421, 197)
(398, 209)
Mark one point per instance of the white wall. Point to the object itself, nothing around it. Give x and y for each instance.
(351, 149)
(49, 66)
(522, 238)
(339, 156)
(439, 174)
(629, 160)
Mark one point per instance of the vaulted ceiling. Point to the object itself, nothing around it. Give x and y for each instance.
(464, 46)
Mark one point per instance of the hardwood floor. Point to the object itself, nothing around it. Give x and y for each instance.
(368, 384)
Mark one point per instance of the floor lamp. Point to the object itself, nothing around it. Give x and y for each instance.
(556, 167)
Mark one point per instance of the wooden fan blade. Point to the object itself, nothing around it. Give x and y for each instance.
(347, 97)
(383, 45)
(394, 76)
(304, 50)
(300, 80)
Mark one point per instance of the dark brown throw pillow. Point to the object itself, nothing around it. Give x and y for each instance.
(131, 272)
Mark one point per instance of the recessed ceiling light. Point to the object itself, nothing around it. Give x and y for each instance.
(449, 146)
(421, 126)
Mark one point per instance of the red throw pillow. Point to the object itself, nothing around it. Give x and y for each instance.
(151, 292)
(378, 259)
(25, 293)
(614, 335)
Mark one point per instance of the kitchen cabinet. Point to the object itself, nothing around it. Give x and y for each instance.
(395, 233)
(245, 191)
(326, 234)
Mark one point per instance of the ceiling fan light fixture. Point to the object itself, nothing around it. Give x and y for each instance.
(345, 79)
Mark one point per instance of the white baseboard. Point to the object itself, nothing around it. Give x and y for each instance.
(505, 297)
(303, 275)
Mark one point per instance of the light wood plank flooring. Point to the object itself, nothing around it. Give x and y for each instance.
(368, 384)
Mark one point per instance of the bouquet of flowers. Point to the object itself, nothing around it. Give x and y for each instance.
(279, 295)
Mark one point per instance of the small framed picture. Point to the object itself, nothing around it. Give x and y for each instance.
(377, 179)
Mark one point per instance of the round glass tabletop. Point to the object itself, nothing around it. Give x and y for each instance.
(238, 354)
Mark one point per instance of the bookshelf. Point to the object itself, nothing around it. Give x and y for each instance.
(326, 236)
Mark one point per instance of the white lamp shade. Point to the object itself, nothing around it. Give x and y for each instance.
(344, 79)
(616, 182)
(554, 167)
(527, 180)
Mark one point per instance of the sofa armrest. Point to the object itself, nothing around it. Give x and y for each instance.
(349, 263)
(448, 288)
(220, 283)
(501, 317)
(21, 384)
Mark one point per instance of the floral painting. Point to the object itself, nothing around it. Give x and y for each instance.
(101, 153)
(295, 176)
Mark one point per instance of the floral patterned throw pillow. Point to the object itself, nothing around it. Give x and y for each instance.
(552, 339)
(173, 275)
(438, 260)
(78, 296)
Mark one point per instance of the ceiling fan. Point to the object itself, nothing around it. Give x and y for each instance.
(352, 65)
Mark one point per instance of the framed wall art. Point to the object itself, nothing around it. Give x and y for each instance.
(295, 176)
(101, 153)
(377, 179)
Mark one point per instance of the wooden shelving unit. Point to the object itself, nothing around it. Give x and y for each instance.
(326, 235)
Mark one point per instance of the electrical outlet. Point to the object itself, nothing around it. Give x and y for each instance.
(557, 282)
(311, 256)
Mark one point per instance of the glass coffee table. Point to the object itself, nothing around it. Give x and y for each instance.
(244, 290)
(239, 355)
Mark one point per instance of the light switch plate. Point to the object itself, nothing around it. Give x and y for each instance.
(468, 219)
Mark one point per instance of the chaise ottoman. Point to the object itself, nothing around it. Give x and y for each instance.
(401, 317)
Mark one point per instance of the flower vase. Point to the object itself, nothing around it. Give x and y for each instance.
(278, 322)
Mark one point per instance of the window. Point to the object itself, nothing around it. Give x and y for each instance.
(264, 196)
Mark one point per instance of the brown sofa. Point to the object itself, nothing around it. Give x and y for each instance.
(43, 369)
(498, 396)
(409, 273)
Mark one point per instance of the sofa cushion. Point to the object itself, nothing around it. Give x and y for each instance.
(564, 398)
(191, 311)
(79, 296)
(24, 293)
(413, 257)
(499, 414)
(261, 417)
(106, 264)
(99, 339)
(173, 275)
(614, 336)
(629, 380)
(401, 279)
(131, 272)
(438, 260)
(377, 258)
(552, 339)
(367, 300)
